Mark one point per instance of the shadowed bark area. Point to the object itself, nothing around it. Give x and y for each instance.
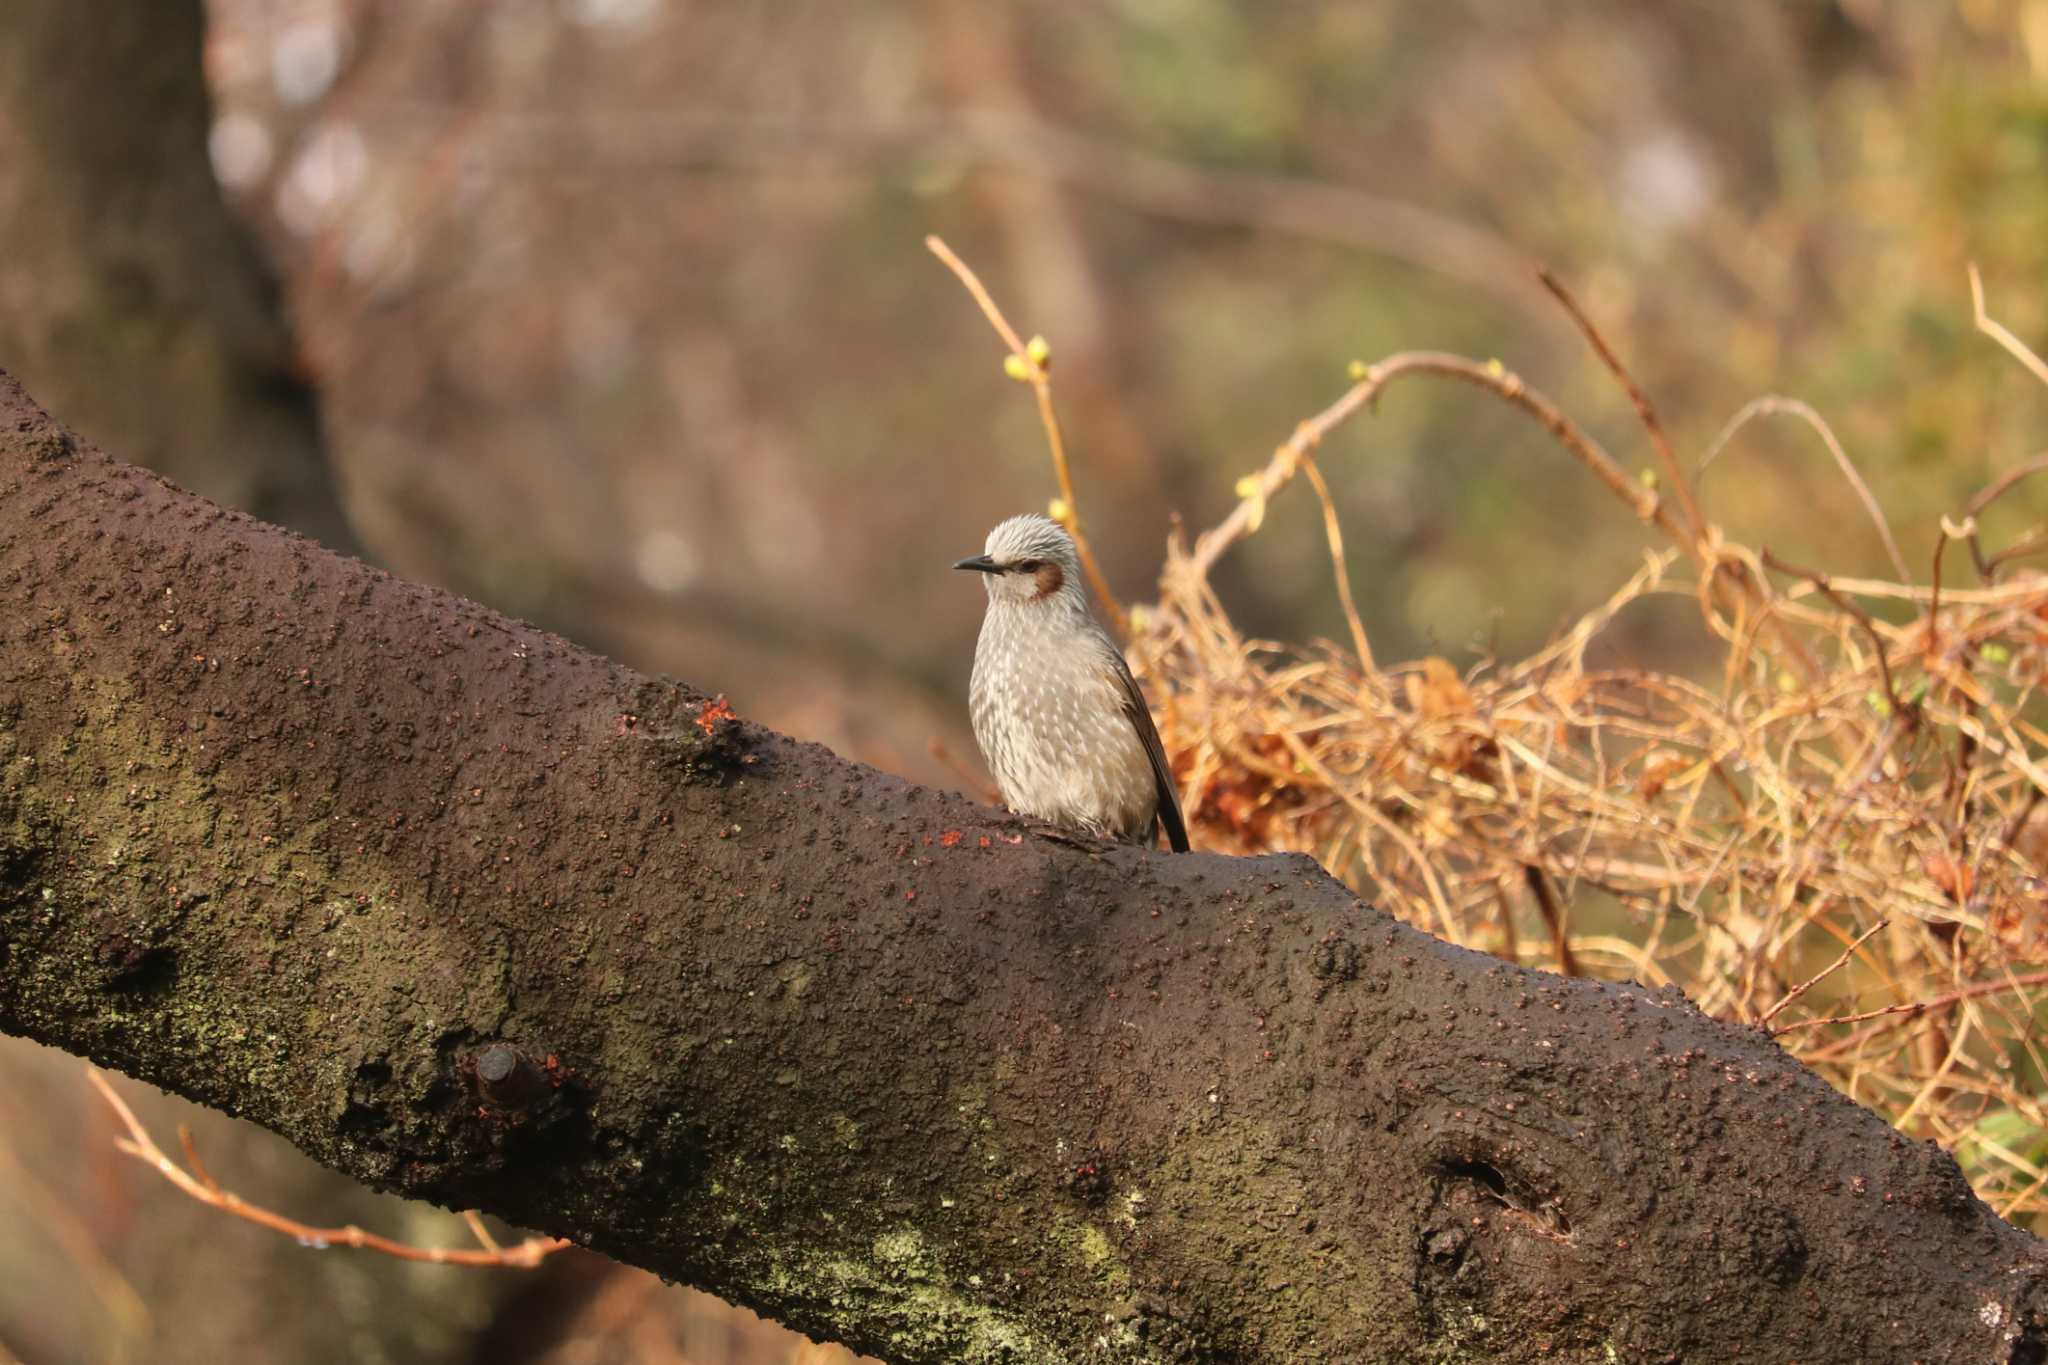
(476, 916)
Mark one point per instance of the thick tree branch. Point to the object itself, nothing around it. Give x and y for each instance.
(476, 916)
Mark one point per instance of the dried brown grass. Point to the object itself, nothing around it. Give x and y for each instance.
(1837, 836)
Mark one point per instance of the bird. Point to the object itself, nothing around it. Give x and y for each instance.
(1059, 717)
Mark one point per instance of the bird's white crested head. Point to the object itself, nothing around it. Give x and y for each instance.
(1030, 560)
(1032, 536)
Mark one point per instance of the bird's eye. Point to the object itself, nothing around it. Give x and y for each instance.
(1029, 565)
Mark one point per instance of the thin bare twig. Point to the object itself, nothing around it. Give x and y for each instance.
(480, 1232)
(1819, 976)
(1949, 531)
(2001, 485)
(1971, 992)
(2032, 543)
(1862, 618)
(1991, 493)
(1032, 364)
(202, 1187)
(1997, 331)
(192, 1158)
(1335, 535)
(1773, 404)
(1644, 411)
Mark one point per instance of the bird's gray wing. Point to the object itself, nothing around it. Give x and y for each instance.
(1140, 717)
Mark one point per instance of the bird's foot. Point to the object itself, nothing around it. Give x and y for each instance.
(1060, 834)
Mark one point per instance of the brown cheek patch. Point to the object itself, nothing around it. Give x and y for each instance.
(1049, 579)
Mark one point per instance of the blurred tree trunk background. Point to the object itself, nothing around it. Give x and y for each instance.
(127, 293)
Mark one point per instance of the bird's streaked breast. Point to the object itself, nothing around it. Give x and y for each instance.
(1048, 712)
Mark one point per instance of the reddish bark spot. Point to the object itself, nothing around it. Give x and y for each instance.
(714, 711)
(622, 723)
(951, 839)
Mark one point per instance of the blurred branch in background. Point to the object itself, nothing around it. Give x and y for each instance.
(684, 141)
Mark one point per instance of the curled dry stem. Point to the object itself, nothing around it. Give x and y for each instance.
(1494, 378)
(1772, 404)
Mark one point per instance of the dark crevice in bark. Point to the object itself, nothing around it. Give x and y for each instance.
(481, 918)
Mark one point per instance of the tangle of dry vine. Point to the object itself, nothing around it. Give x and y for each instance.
(1839, 837)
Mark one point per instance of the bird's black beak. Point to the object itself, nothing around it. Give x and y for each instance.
(980, 564)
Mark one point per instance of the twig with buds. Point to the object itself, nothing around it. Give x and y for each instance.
(1030, 362)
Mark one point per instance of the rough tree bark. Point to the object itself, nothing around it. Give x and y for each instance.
(326, 849)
